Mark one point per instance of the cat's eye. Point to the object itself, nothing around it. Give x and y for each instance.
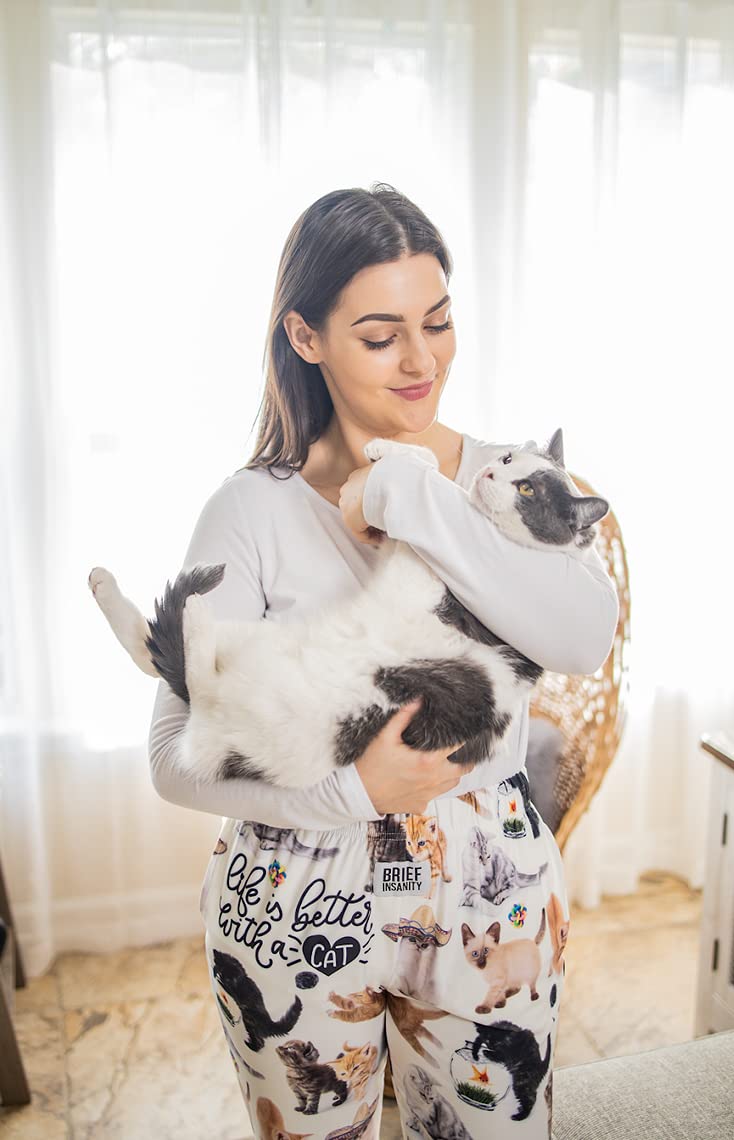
(506, 458)
(525, 489)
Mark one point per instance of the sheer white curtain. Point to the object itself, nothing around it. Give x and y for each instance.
(153, 157)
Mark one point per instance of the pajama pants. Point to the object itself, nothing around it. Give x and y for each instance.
(436, 939)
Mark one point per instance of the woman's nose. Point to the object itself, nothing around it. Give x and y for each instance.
(419, 358)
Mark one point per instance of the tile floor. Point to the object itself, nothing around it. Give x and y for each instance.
(122, 1045)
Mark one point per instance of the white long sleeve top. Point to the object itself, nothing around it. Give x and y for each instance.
(287, 551)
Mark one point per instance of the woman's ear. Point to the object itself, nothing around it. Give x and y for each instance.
(303, 339)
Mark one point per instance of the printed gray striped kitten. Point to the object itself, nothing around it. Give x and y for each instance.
(257, 711)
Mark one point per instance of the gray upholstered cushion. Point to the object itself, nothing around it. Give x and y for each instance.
(679, 1092)
(545, 749)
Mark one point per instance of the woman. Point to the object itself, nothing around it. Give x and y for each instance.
(399, 904)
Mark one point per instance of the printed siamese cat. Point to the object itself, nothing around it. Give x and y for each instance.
(290, 702)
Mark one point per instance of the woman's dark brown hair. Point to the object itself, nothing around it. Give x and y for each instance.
(340, 234)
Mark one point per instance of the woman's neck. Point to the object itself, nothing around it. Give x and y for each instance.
(331, 461)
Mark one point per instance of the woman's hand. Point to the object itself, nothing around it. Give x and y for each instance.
(398, 778)
(350, 502)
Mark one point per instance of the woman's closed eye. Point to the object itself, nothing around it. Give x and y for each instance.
(372, 344)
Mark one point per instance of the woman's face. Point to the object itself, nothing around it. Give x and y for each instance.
(392, 329)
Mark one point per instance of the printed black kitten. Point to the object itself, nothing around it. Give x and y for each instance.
(234, 980)
(516, 1049)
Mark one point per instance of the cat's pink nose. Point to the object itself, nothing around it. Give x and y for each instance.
(489, 475)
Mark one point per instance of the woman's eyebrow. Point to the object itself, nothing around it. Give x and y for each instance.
(397, 316)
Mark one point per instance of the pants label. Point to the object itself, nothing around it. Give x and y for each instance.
(402, 879)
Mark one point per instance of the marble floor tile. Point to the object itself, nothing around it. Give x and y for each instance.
(39, 1029)
(139, 974)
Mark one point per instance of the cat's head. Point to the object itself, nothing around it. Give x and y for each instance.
(478, 840)
(351, 1057)
(527, 492)
(478, 947)
(294, 1051)
(419, 1080)
(420, 835)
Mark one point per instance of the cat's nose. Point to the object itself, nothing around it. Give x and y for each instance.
(489, 475)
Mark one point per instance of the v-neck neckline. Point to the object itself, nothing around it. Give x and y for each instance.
(334, 506)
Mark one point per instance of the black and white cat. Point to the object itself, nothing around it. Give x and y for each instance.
(290, 702)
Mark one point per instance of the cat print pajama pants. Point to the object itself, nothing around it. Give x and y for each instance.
(437, 938)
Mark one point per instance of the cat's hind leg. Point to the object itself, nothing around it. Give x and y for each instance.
(127, 622)
(200, 647)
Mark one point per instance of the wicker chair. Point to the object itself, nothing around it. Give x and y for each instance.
(576, 721)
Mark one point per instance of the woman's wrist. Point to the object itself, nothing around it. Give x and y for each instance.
(365, 793)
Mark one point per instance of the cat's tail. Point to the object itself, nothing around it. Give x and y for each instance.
(525, 878)
(165, 642)
(541, 929)
(287, 1021)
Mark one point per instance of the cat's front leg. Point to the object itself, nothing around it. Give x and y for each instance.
(492, 1000)
(414, 1125)
(341, 1093)
(378, 447)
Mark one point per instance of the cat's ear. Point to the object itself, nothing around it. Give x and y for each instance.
(554, 447)
(466, 933)
(494, 930)
(587, 509)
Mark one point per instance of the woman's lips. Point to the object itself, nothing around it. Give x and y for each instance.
(414, 393)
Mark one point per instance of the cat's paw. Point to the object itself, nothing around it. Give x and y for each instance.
(101, 583)
(378, 447)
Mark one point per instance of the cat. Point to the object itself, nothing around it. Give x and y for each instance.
(349, 666)
(429, 1113)
(386, 843)
(515, 1048)
(520, 781)
(245, 993)
(424, 839)
(506, 968)
(415, 969)
(360, 1006)
(559, 927)
(489, 873)
(355, 1065)
(271, 1125)
(310, 1078)
(409, 1020)
(270, 838)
